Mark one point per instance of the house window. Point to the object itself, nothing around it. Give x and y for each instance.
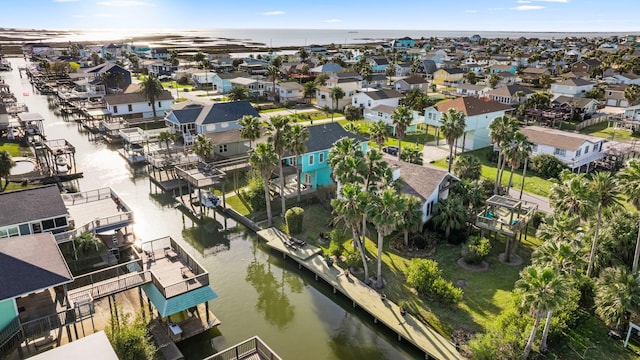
(534, 148)
(159, 104)
(307, 179)
(586, 149)
(222, 148)
(595, 147)
(321, 157)
(560, 152)
(115, 109)
(379, 113)
(224, 125)
(311, 159)
(130, 107)
(578, 152)
(430, 115)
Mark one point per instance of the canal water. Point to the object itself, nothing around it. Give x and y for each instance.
(259, 293)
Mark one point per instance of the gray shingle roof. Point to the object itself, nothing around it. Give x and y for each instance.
(215, 113)
(419, 180)
(135, 97)
(31, 204)
(30, 263)
(322, 137)
(383, 94)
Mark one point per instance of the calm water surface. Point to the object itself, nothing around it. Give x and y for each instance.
(259, 293)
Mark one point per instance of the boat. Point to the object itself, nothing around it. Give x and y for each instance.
(62, 166)
(208, 199)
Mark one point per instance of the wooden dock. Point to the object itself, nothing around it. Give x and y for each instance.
(407, 327)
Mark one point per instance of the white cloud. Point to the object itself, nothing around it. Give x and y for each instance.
(471, 11)
(527, 7)
(495, 9)
(105, 15)
(333, 21)
(125, 3)
(271, 13)
(523, 1)
(65, 1)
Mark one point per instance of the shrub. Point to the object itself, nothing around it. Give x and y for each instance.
(492, 156)
(352, 259)
(536, 220)
(547, 166)
(426, 278)
(445, 292)
(254, 193)
(352, 112)
(339, 234)
(335, 248)
(294, 217)
(476, 249)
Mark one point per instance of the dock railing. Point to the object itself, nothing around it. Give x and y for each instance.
(249, 347)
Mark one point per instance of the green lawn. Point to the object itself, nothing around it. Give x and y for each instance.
(272, 110)
(14, 149)
(604, 131)
(533, 184)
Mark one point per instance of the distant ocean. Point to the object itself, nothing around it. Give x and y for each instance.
(295, 37)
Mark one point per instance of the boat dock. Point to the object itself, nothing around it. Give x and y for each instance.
(406, 326)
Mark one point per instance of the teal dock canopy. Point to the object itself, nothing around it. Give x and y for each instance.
(178, 303)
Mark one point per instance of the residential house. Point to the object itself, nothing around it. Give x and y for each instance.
(32, 211)
(349, 82)
(288, 91)
(378, 64)
(614, 96)
(472, 67)
(497, 69)
(368, 99)
(221, 82)
(254, 66)
(471, 90)
(96, 74)
(437, 56)
(217, 121)
(377, 81)
(255, 84)
(412, 82)
(133, 103)
(507, 78)
(579, 106)
(160, 53)
(575, 87)
(630, 113)
(37, 49)
(532, 74)
(428, 183)
(402, 69)
(628, 79)
(403, 43)
(585, 66)
(315, 171)
(427, 68)
(579, 152)
(382, 113)
(449, 77)
(160, 68)
(328, 68)
(508, 95)
(478, 115)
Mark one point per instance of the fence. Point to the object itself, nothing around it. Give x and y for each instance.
(245, 349)
(593, 121)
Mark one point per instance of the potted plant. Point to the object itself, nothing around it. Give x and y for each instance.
(403, 307)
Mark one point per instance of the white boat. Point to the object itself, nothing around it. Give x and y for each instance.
(62, 166)
(208, 199)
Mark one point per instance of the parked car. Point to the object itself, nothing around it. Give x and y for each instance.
(391, 150)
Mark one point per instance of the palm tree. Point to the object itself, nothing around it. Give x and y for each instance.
(349, 208)
(384, 210)
(617, 292)
(468, 167)
(572, 195)
(336, 94)
(309, 89)
(412, 154)
(518, 149)
(450, 214)
(411, 219)
(630, 185)
(167, 137)
(347, 162)
(401, 118)
(297, 138)
(540, 289)
(632, 94)
(6, 163)
(379, 133)
(606, 194)
(203, 147)
(559, 227)
(501, 129)
(273, 72)
(151, 88)
(278, 129)
(264, 158)
(250, 128)
(453, 125)
(238, 93)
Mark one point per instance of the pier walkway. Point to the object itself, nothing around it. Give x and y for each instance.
(407, 327)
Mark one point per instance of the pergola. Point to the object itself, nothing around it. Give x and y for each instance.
(505, 215)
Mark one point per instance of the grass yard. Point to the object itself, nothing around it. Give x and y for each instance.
(533, 184)
(603, 130)
(14, 148)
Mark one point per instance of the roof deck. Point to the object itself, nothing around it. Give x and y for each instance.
(201, 175)
(505, 215)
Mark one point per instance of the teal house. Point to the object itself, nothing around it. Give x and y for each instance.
(315, 170)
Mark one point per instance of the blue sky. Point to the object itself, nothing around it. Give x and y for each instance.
(473, 15)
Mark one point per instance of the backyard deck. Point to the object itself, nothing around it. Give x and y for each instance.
(407, 327)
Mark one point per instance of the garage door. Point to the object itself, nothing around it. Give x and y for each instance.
(611, 102)
(624, 103)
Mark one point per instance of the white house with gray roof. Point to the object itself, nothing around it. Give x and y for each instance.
(370, 98)
(572, 87)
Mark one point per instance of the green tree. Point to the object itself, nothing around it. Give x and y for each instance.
(468, 167)
(278, 129)
(606, 194)
(518, 150)
(298, 135)
(309, 90)
(272, 73)
(471, 77)
(617, 292)
(559, 227)
(453, 126)
(411, 219)
(632, 94)
(545, 81)
(349, 208)
(85, 242)
(450, 214)
(250, 128)
(203, 147)
(412, 154)
(384, 210)
(572, 195)
(501, 129)
(494, 79)
(238, 93)
(151, 88)
(264, 159)
(129, 337)
(401, 118)
(379, 133)
(6, 163)
(336, 94)
(630, 185)
(167, 137)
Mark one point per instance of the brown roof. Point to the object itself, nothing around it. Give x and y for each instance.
(414, 79)
(557, 138)
(225, 137)
(472, 106)
(419, 180)
(510, 90)
(532, 70)
(132, 98)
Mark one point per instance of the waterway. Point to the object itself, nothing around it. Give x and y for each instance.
(259, 293)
